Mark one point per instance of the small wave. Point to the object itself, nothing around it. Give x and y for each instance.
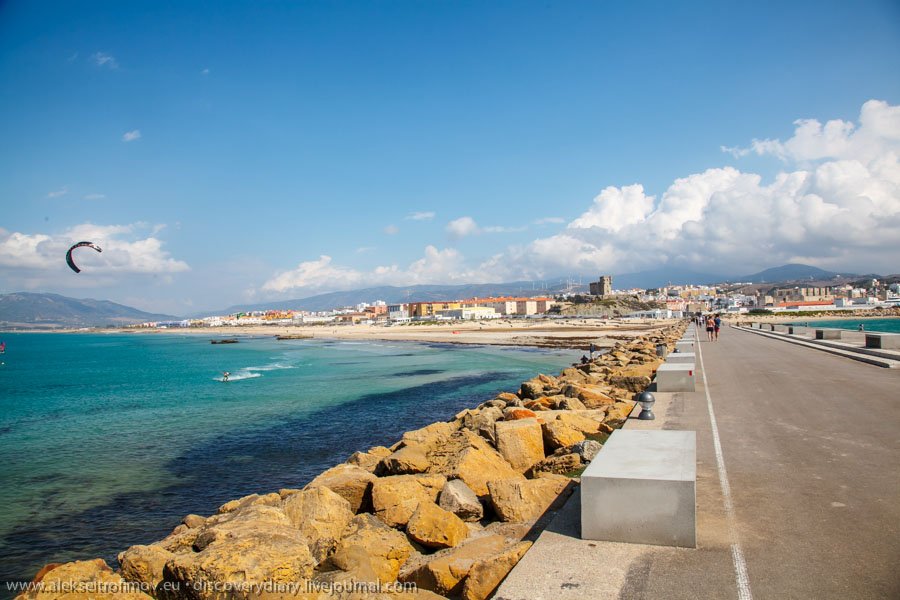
(272, 367)
(239, 376)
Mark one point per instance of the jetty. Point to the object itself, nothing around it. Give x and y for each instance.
(796, 486)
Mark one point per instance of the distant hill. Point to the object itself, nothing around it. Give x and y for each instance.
(662, 277)
(25, 309)
(792, 272)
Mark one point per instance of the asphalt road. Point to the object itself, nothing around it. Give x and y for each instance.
(811, 446)
(811, 449)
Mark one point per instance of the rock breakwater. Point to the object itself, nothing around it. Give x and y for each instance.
(447, 511)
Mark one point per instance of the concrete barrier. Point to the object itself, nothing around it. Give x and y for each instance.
(797, 330)
(828, 334)
(781, 328)
(682, 358)
(676, 378)
(654, 474)
(684, 346)
(883, 340)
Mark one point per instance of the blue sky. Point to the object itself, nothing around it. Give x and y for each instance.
(221, 149)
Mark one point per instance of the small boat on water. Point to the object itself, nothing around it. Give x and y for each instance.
(225, 341)
(294, 336)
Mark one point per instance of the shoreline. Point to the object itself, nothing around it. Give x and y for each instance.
(540, 333)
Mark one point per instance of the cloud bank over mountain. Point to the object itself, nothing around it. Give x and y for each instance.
(835, 205)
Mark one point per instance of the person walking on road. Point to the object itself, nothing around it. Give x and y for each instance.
(710, 328)
(717, 323)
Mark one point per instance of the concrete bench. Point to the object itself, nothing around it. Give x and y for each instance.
(681, 358)
(684, 346)
(676, 377)
(796, 330)
(781, 328)
(883, 340)
(654, 474)
(828, 334)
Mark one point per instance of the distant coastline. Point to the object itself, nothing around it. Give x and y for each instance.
(573, 333)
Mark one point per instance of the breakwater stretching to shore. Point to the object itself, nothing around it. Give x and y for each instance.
(447, 510)
(110, 439)
(871, 324)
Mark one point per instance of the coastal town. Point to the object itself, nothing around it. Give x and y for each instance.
(670, 302)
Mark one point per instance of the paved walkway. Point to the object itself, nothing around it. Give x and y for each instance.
(811, 449)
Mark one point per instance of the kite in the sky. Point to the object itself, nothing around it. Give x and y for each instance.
(69, 260)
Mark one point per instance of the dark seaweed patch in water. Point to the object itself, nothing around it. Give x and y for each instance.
(287, 454)
(417, 372)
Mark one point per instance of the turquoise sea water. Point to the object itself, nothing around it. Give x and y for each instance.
(883, 325)
(108, 440)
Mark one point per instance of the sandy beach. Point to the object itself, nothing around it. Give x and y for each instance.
(541, 333)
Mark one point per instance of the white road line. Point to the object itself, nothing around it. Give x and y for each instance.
(737, 555)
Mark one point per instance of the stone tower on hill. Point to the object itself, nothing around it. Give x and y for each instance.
(602, 287)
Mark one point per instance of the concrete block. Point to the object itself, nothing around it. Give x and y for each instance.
(828, 334)
(781, 328)
(680, 358)
(676, 378)
(796, 330)
(883, 340)
(684, 346)
(654, 474)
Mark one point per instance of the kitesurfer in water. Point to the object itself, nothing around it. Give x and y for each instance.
(225, 375)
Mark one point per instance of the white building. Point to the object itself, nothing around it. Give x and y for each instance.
(469, 313)
(398, 313)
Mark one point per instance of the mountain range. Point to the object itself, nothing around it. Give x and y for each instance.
(25, 309)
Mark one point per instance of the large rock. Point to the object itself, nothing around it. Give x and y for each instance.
(514, 413)
(434, 527)
(487, 574)
(619, 411)
(520, 442)
(559, 435)
(526, 500)
(81, 580)
(430, 434)
(632, 383)
(369, 459)
(407, 460)
(352, 483)
(445, 571)
(590, 396)
(467, 456)
(371, 550)
(531, 389)
(144, 564)
(560, 464)
(321, 516)
(459, 499)
(272, 499)
(582, 423)
(256, 545)
(396, 498)
(587, 450)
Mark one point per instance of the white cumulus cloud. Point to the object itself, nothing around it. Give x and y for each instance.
(126, 249)
(130, 136)
(835, 205)
(420, 216)
(102, 59)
